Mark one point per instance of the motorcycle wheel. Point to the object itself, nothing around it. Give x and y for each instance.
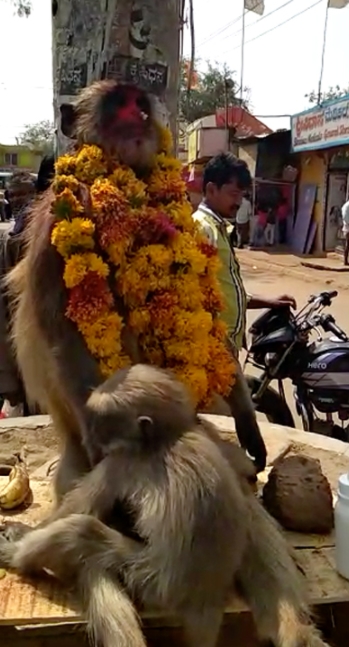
(271, 404)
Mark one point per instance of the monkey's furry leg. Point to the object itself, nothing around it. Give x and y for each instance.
(273, 587)
(84, 552)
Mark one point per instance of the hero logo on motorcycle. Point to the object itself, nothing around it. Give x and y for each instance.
(317, 366)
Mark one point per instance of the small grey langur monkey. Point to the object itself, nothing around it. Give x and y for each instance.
(199, 533)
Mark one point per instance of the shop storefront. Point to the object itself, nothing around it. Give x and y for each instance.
(278, 196)
(321, 138)
(337, 194)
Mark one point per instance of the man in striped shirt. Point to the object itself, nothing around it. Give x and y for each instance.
(226, 178)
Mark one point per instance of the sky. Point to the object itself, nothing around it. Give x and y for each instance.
(25, 68)
(280, 66)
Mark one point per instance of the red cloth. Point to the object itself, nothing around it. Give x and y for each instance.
(262, 218)
(282, 212)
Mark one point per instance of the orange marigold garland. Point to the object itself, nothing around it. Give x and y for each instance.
(136, 240)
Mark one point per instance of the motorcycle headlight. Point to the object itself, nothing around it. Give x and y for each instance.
(271, 359)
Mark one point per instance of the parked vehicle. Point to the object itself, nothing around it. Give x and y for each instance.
(282, 346)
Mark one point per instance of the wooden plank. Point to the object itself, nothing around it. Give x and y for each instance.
(238, 631)
(42, 602)
(45, 602)
(324, 584)
(303, 540)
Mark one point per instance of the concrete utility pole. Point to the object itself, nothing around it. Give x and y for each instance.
(136, 41)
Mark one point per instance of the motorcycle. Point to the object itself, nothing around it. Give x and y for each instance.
(282, 348)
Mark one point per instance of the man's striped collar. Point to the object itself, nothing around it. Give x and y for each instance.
(203, 207)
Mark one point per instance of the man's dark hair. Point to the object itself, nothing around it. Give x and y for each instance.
(224, 168)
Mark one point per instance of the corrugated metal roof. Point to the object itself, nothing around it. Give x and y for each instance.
(246, 124)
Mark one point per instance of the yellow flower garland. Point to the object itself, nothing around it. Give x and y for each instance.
(135, 243)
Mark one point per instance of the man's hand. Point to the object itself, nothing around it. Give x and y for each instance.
(284, 300)
(255, 303)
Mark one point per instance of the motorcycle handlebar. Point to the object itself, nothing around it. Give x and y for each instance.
(324, 297)
(329, 325)
(331, 295)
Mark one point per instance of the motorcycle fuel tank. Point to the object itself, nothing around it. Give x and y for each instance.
(327, 366)
(272, 340)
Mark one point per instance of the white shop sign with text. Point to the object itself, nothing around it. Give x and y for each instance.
(321, 127)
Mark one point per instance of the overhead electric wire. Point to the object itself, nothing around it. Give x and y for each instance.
(214, 35)
(13, 85)
(268, 31)
(218, 31)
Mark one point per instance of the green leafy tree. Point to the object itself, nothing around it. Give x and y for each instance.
(333, 92)
(21, 7)
(208, 91)
(39, 136)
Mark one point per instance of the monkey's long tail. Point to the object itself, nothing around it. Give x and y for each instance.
(82, 548)
(273, 587)
(111, 616)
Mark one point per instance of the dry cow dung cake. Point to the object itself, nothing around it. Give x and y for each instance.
(299, 496)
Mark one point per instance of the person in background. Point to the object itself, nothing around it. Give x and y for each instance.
(345, 230)
(21, 191)
(269, 231)
(23, 196)
(260, 224)
(243, 217)
(2, 209)
(226, 179)
(11, 248)
(253, 226)
(281, 215)
(8, 209)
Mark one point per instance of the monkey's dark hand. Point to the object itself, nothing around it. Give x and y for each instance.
(259, 455)
(251, 440)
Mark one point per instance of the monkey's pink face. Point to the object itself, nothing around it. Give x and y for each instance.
(128, 126)
(133, 109)
(119, 118)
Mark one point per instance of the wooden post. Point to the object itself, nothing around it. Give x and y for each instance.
(135, 41)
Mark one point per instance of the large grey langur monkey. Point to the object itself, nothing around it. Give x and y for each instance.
(196, 532)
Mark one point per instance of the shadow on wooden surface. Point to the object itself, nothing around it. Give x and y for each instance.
(237, 632)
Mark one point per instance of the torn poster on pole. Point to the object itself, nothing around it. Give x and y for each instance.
(257, 6)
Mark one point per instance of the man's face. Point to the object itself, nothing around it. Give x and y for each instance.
(225, 200)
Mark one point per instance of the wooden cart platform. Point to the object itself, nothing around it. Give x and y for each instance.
(42, 614)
